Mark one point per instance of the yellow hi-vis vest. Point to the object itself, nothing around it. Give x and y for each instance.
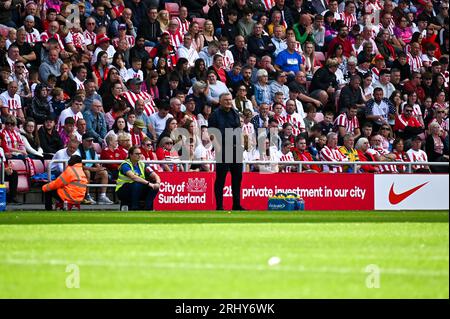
(123, 179)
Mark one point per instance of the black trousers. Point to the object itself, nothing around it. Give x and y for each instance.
(131, 194)
(222, 170)
(49, 199)
(13, 181)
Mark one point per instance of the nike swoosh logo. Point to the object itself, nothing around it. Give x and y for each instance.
(395, 199)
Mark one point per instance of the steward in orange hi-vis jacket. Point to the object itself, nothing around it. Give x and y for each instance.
(70, 186)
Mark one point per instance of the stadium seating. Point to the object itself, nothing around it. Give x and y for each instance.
(19, 166)
(320, 56)
(173, 8)
(39, 166)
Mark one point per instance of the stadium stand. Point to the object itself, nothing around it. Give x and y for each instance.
(147, 68)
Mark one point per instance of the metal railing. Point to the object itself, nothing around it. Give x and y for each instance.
(186, 164)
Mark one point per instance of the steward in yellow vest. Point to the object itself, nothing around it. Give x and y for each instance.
(132, 185)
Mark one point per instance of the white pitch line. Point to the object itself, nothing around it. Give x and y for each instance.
(213, 266)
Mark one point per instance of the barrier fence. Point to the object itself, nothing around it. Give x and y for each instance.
(322, 191)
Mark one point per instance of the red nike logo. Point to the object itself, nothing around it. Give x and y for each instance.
(394, 198)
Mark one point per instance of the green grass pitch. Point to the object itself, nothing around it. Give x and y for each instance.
(224, 255)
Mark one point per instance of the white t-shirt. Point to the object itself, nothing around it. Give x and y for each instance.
(61, 155)
(131, 74)
(68, 113)
(159, 123)
(11, 103)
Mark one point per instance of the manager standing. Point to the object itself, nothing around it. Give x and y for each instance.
(226, 117)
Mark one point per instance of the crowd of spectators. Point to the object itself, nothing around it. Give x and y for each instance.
(331, 80)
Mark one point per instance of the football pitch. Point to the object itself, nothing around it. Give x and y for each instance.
(224, 255)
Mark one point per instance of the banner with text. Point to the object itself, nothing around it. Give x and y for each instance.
(188, 191)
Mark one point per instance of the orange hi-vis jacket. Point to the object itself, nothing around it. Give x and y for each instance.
(71, 184)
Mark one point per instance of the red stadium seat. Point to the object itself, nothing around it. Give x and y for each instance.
(38, 166)
(206, 9)
(319, 117)
(200, 21)
(23, 184)
(173, 8)
(19, 166)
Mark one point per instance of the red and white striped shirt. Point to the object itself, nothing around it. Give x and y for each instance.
(136, 139)
(176, 39)
(298, 125)
(268, 4)
(332, 155)
(383, 168)
(130, 40)
(12, 139)
(89, 37)
(183, 27)
(33, 37)
(349, 19)
(417, 156)
(75, 38)
(149, 104)
(287, 158)
(13, 104)
(350, 124)
(372, 7)
(45, 36)
(415, 63)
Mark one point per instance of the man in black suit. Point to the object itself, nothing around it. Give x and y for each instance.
(226, 118)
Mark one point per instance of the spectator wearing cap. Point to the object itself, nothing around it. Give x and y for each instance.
(95, 121)
(122, 35)
(95, 173)
(103, 44)
(137, 134)
(384, 83)
(134, 93)
(379, 65)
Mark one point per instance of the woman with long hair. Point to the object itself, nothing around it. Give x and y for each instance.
(112, 78)
(199, 71)
(311, 63)
(100, 69)
(120, 126)
(396, 100)
(118, 61)
(387, 136)
(203, 116)
(440, 101)
(151, 85)
(171, 125)
(31, 139)
(436, 148)
(164, 19)
(197, 39)
(208, 33)
(366, 86)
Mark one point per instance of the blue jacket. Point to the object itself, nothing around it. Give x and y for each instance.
(96, 125)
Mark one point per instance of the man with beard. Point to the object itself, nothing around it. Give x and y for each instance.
(342, 40)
